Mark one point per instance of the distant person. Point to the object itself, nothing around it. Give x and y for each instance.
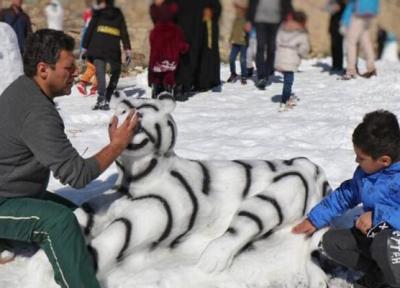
(381, 38)
(55, 15)
(33, 144)
(336, 8)
(189, 18)
(251, 52)
(89, 75)
(371, 246)
(10, 57)
(390, 49)
(292, 45)
(363, 13)
(167, 44)
(239, 41)
(207, 74)
(18, 20)
(102, 44)
(266, 15)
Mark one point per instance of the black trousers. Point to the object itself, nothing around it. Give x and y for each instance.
(266, 40)
(379, 256)
(337, 50)
(105, 93)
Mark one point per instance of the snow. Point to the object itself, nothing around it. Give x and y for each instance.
(240, 122)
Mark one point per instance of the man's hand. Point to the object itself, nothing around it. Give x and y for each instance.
(364, 222)
(121, 136)
(305, 227)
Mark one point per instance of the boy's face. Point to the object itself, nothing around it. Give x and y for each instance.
(370, 165)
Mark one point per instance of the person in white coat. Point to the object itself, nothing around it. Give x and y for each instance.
(292, 45)
(10, 56)
(54, 15)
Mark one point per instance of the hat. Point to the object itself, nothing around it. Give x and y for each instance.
(241, 3)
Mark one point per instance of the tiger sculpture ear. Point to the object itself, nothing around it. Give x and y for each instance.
(117, 98)
(168, 102)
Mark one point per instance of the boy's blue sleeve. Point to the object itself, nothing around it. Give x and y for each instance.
(343, 198)
(388, 214)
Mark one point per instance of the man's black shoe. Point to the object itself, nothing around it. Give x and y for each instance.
(261, 84)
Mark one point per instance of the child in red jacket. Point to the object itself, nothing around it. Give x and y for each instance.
(167, 43)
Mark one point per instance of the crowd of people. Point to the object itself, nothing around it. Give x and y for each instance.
(184, 43)
(184, 58)
(270, 33)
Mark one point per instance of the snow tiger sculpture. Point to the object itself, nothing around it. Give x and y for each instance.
(210, 209)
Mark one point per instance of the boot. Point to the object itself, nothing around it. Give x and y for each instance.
(81, 86)
(250, 72)
(156, 89)
(93, 90)
(232, 78)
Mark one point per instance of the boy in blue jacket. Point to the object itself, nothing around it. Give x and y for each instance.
(372, 245)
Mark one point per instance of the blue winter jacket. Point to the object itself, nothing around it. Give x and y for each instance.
(366, 7)
(378, 192)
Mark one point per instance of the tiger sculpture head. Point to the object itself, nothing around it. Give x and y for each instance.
(156, 133)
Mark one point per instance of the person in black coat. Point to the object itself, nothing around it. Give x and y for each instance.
(266, 16)
(101, 45)
(189, 18)
(336, 9)
(194, 72)
(207, 74)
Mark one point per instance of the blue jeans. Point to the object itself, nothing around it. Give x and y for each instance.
(235, 50)
(288, 79)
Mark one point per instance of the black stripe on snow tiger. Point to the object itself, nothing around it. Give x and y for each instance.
(167, 199)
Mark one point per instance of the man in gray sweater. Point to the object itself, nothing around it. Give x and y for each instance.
(33, 143)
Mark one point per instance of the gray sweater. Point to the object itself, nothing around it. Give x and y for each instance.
(33, 142)
(268, 11)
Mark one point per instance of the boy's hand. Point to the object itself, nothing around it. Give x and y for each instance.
(364, 222)
(305, 227)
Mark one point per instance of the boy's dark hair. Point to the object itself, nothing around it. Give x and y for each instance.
(299, 17)
(378, 134)
(45, 45)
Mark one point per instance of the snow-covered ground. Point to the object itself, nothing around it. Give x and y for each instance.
(240, 122)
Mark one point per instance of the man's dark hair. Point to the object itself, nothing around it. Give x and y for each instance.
(378, 134)
(45, 45)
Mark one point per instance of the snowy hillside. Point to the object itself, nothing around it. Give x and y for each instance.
(239, 122)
